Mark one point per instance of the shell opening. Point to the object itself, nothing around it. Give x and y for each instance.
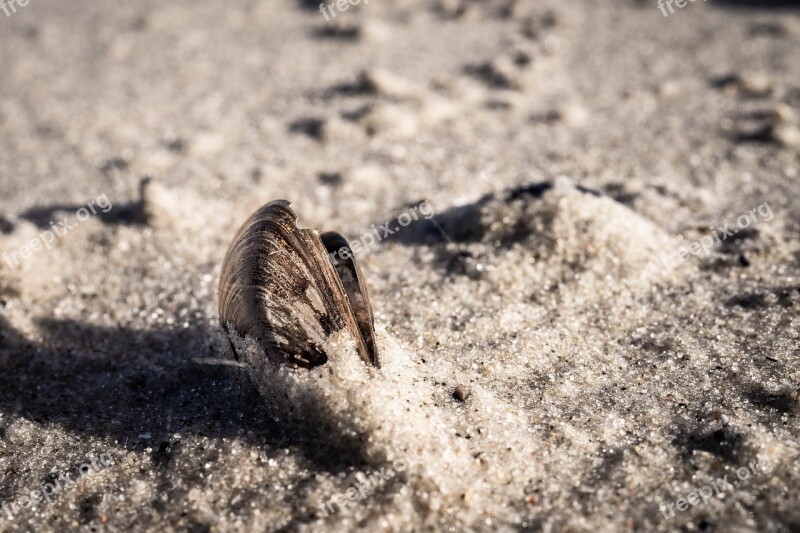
(344, 263)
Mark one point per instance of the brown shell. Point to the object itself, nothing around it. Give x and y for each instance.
(282, 286)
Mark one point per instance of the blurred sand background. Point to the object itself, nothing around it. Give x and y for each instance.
(568, 149)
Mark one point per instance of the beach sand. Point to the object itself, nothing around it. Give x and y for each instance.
(597, 322)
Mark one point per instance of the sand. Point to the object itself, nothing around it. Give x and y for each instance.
(595, 330)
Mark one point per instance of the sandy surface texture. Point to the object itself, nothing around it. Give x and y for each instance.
(580, 230)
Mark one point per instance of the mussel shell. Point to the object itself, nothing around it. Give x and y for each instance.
(280, 286)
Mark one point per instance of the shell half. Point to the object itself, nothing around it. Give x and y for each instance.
(291, 289)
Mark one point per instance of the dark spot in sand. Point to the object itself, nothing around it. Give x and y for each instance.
(792, 97)
(138, 23)
(760, 135)
(747, 301)
(724, 443)
(786, 296)
(354, 115)
(550, 116)
(498, 104)
(330, 178)
(779, 402)
(534, 27)
(173, 143)
(132, 213)
(88, 508)
(704, 525)
(533, 190)
(114, 163)
(522, 59)
(47, 130)
(163, 455)
(461, 393)
(659, 347)
(460, 263)
(9, 337)
(360, 86)
(587, 190)
(31, 33)
(744, 261)
(195, 525)
(724, 81)
(312, 5)
(733, 245)
(311, 126)
(610, 460)
(617, 192)
(460, 224)
(768, 29)
(467, 223)
(6, 226)
(491, 74)
(344, 32)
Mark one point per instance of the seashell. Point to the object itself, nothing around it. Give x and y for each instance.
(282, 286)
